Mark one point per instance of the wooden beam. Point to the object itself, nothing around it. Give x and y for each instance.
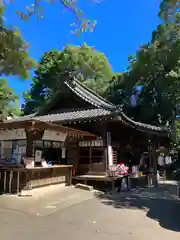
(45, 125)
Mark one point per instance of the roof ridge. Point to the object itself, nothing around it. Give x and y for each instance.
(93, 98)
(93, 92)
(143, 125)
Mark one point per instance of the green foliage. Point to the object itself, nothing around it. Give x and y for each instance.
(14, 58)
(92, 66)
(178, 133)
(156, 66)
(7, 99)
(81, 23)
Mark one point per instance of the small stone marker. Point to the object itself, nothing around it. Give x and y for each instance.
(84, 187)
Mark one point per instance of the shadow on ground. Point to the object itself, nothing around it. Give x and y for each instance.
(161, 205)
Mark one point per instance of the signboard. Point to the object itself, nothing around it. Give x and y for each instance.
(14, 134)
(94, 143)
(21, 142)
(38, 143)
(52, 144)
(47, 144)
(54, 136)
(57, 144)
(38, 155)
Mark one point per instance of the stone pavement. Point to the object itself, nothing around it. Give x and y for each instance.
(73, 213)
(160, 204)
(44, 201)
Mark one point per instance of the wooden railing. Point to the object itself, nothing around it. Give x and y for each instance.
(14, 180)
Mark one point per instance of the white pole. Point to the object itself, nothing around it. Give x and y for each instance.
(109, 150)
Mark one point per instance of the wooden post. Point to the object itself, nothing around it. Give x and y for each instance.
(90, 157)
(29, 143)
(154, 161)
(150, 182)
(5, 181)
(104, 134)
(31, 135)
(129, 183)
(18, 182)
(10, 181)
(113, 188)
(2, 148)
(178, 190)
(70, 177)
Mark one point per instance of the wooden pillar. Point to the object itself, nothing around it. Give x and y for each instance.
(2, 148)
(150, 153)
(154, 163)
(31, 135)
(90, 157)
(104, 135)
(150, 172)
(29, 143)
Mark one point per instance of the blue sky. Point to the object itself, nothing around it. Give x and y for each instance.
(122, 26)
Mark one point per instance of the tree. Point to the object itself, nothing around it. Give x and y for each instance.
(156, 66)
(7, 99)
(81, 23)
(14, 58)
(178, 134)
(92, 67)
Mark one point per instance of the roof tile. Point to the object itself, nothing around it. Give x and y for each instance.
(75, 115)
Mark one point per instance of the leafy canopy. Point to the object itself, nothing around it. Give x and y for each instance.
(81, 24)
(14, 60)
(7, 100)
(156, 66)
(92, 66)
(178, 134)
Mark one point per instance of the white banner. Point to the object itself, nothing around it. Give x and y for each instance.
(109, 149)
(110, 155)
(94, 143)
(14, 134)
(54, 136)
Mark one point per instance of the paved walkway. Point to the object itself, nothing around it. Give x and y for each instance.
(160, 204)
(65, 213)
(44, 201)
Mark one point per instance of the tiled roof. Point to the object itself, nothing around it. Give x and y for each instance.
(75, 115)
(142, 126)
(87, 94)
(18, 119)
(63, 117)
(93, 114)
(102, 108)
(81, 91)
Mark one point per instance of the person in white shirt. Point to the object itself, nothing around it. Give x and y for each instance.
(168, 160)
(161, 160)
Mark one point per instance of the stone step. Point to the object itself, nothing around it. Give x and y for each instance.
(84, 187)
(96, 173)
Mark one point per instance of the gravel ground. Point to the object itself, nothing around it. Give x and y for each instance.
(67, 213)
